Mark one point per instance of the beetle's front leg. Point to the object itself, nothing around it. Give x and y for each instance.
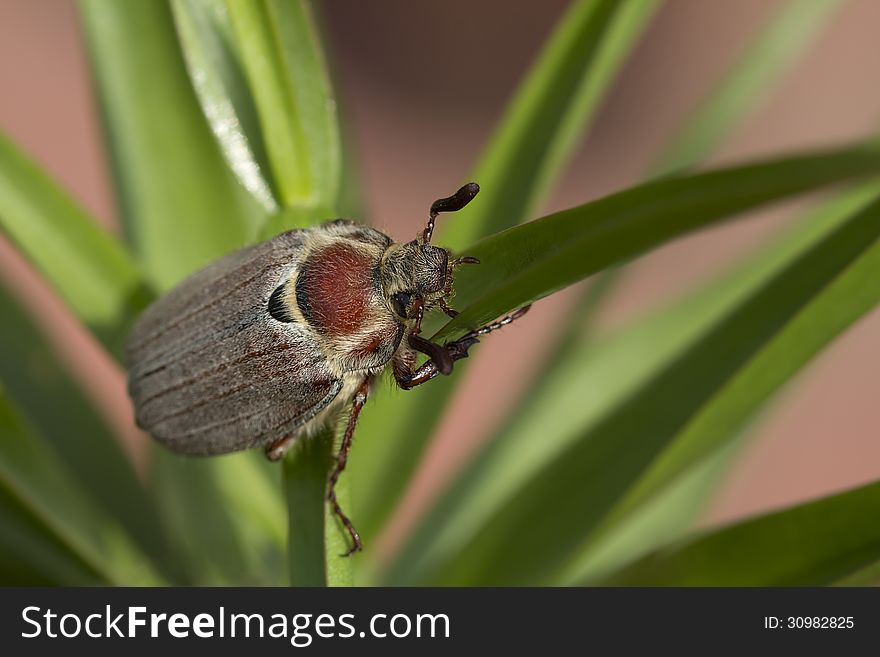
(408, 377)
(441, 357)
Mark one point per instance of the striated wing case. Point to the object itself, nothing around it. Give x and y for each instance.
(211, 371)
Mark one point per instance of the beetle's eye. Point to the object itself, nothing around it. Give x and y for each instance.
(400, 302)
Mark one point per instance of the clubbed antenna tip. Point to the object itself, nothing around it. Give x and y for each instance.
(452, 203)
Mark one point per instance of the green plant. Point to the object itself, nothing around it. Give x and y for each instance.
(222, 128)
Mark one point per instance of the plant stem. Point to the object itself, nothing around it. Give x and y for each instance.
(316, 540)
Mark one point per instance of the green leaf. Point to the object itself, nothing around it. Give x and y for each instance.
(838, 306)
(279, 49)
(201, 506)
(74, 430)
(731, 411)
(181, 205)
(728, 104)
(51, 527)
(732, 100)
(812, 544)
(317, 541)
(528, 262)
(867, 576)
(552, 108)
(522, 161)
(215, 70)
(31, 554)
(87, 267)
(661, 520)
(282, 60)
(757, 72)
(657, 375)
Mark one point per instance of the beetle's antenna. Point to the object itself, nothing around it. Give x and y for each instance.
(452, 203)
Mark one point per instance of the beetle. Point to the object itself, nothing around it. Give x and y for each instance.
(269, 343)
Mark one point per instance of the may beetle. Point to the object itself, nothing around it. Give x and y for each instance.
(269, 343)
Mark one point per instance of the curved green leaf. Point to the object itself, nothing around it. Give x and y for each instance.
(659, 521)
(660, 377)
(867, 576)
(182, 207)
(838, 306)
(812, 544)
(76, 433)
(180, 204)
(86, 266)
(553, 106)
(204, 516)
(766, 59)
(716, 428)
(732, 100)
(214, 68)
(42, 501)
(32, 555)
(525, 263)
(607, 372)
(611, 457)
(282, 60)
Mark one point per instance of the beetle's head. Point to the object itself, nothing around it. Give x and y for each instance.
(418, 271)
(413, 271)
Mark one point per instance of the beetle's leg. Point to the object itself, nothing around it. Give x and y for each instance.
(504, 321)
(439, 355)
(451, 352)
(419, 307)
(407, 379)
(360, 398)
(450, 312)
(452, 203)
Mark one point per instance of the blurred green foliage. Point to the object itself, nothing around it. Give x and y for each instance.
(221, 124)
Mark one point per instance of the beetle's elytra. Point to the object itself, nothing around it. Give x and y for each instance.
(272, 341)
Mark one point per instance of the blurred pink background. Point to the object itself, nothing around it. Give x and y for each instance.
(422, 85)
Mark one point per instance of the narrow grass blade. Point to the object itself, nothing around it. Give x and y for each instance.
(84, 545)
(838, 306)
(182, 207)
(867, 576)
(813, 544)
(766, 59)
(527, 262)
(32, 555)
(180, 204)
(75, 432)
(660, 521)
(87, 267)
(552, 108)
(282, 60)
(523, 264)
(215, 70)
(616, 376)
(569, 497)
(729, 103)
(207, 536)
